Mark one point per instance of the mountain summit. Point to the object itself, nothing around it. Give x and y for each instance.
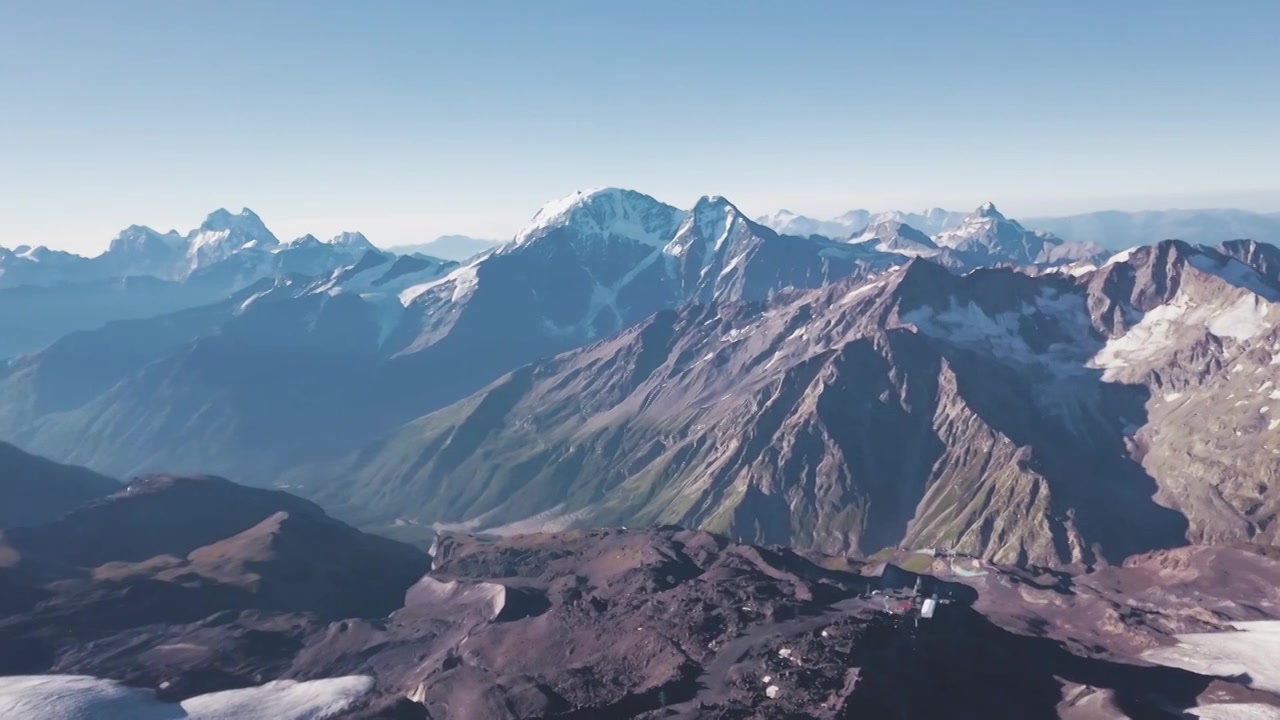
(603, 214)
(222, 234)
(988, 236)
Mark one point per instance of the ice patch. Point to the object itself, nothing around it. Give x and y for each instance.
(1170, 397)
(1254, 650)
(464, 280)
(1235, 273)
(1245, 319)
(1236, 711)
(1000, 335)
(251, 299)
(1122, 256)
(80, 697)
(1146, 340)
(281, 700)
(859, 291)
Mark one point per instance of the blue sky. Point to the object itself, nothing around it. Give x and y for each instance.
(407, 120)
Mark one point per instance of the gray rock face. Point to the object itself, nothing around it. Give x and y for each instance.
(1025, 418)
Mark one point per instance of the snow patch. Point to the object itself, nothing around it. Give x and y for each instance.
(607, 212)
(1146, 340)
(1236, 711)
(1245, 319)
(859, 291)
(1254, 650)
(1235, 273)
(1122, 256)
(80, 697)
(464, 282)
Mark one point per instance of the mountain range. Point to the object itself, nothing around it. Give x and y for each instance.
(990, 388)
(459, 248)
(643, 461)
(241, 388)
(46, 294)
(1110, 229)
(1026, 418)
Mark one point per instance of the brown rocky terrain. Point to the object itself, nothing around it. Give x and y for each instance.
(652, 623)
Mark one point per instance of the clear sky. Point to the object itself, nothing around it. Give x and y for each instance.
(408, 120)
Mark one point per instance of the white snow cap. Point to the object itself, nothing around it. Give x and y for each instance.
(988, 209)
(606, 212)
(352, 239)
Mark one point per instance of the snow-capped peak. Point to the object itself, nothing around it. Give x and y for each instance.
(606, 213)
(137, 238)
(894, 236)
(713, 220)
(988, 210)
(223, 234)
(354, 240)
(346, 240)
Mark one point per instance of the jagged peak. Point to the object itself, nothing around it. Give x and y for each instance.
(716, 203)
(244, 213)
(136, 236)
(223, 232)
(351, 238)
(223, 219)
(988, 210)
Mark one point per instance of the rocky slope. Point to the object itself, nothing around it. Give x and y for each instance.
(1067, 417)
(175, 550)
(663, 623)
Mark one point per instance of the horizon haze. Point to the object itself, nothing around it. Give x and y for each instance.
(420, 121)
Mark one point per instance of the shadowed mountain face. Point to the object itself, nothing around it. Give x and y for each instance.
(176, 550)
(34, 490)
(651, 623)
(1021, 418)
